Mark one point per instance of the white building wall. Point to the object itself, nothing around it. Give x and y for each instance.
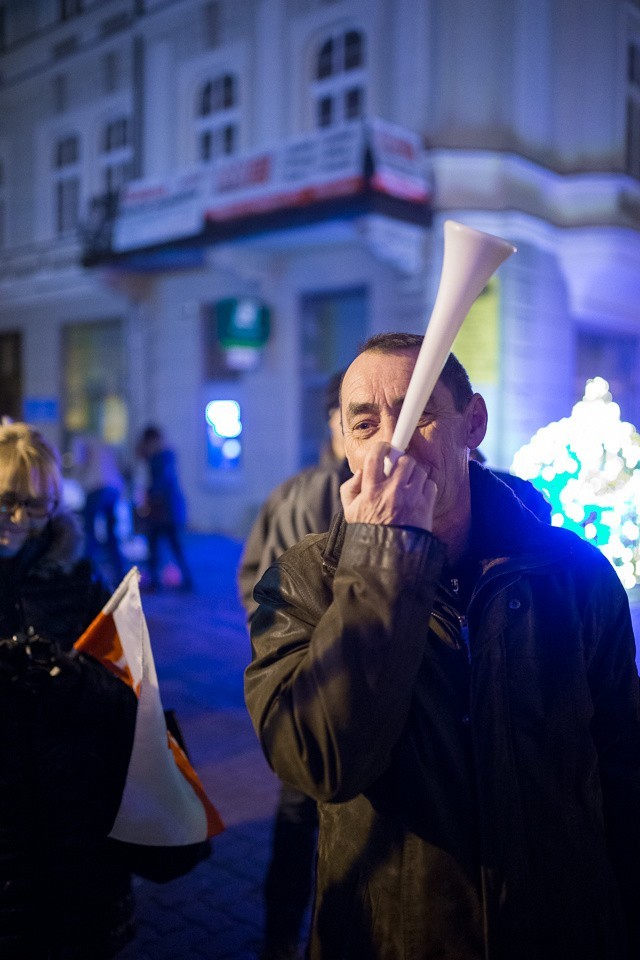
(519, 101)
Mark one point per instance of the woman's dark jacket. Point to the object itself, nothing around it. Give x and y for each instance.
(66, 730)
(479, 797)
(49, 587)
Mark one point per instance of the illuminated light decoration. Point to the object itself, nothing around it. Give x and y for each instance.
(224, 428)
(587, 466)
(231, 449)
(224, 417)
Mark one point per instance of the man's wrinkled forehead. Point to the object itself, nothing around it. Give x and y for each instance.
(374, 366)
(375, 374)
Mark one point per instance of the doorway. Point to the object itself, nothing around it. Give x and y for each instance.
(334, 324)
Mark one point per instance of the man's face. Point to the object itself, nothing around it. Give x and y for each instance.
(373, 389)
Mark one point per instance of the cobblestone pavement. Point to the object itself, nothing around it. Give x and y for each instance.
(201, 648)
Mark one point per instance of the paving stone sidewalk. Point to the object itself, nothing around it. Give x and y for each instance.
(201, 648)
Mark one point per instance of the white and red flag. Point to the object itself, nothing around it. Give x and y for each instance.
(163, 802)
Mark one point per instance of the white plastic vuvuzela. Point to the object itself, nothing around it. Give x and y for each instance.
(470, 258)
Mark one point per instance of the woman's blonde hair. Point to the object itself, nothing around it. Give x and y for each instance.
(28, 462)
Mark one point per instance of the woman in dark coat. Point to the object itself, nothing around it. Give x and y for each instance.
(66, 727)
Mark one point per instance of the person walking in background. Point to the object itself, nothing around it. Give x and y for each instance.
(96, 468)
(454, 681)
(305, 503)
(67, 727)
(163, 511)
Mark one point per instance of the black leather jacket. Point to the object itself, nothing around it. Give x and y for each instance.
(479, 799)
(65, 743)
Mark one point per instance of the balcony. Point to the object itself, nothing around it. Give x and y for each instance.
(336, 174)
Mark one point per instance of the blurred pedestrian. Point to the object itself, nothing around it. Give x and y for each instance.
(305, 503)
(67, 727)
(96, 468)
(163, 511)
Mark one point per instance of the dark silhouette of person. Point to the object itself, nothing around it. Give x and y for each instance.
(67, 726)
(304, 503)
(164, 507)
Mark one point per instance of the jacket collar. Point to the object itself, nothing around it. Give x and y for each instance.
(502, 528)
(58, 547)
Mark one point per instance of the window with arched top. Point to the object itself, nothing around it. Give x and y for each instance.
(116, 153)
(217, 117)
(338, 87)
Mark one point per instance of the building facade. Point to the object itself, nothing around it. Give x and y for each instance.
(206, 206)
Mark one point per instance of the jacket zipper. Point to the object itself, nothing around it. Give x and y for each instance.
(462, 621)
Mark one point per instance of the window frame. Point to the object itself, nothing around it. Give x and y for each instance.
(217, 116)
(66, 180)
(335, 81)
(115, 152)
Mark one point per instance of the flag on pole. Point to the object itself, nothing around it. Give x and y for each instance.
(163, 802)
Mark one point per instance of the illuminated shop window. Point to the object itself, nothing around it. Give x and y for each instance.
(224, 431)
(95, 381)
(339, 80)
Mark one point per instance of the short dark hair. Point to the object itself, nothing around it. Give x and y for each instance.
(454, 376)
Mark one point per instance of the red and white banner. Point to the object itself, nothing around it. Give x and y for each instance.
(163, 802)
(325, 164)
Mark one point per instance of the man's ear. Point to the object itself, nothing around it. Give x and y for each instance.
(476, 417)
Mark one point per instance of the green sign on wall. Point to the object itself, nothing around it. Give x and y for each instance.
(242, 322)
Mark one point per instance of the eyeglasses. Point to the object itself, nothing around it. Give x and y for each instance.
(35, 507)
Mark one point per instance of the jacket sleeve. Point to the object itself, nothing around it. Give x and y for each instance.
(250, 566)
(302, 505)
(614, 685)
(334, 665)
